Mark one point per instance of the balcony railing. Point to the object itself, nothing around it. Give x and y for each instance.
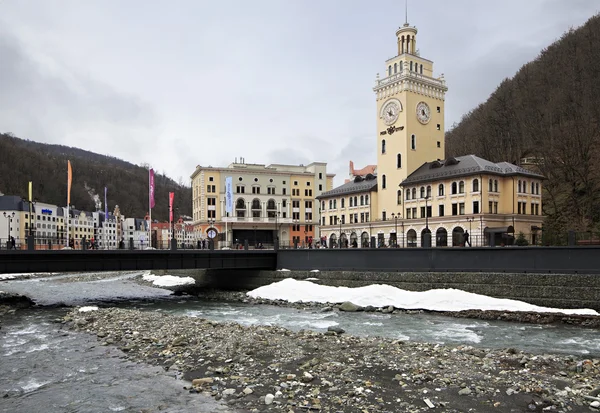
(258, 219)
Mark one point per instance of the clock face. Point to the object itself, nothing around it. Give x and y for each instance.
(211, 233)
(423, 112)
(390, 111)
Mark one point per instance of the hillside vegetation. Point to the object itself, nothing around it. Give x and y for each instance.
(549, 110)
(22, 161)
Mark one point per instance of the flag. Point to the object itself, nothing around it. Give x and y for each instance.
(30, 191)
(171, 196)
(151, 188)
(105, 207)
(69, 181)
(228, 195)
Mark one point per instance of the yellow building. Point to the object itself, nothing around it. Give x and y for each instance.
(269, 202)
(419, 202)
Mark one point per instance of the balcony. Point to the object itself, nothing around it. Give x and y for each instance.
(263, 220)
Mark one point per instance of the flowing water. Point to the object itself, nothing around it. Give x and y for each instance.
(47, 368)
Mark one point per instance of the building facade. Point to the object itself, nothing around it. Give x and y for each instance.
(420, 198)
(269, 202)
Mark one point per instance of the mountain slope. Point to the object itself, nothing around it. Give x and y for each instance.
(549, 110)
(22, 161)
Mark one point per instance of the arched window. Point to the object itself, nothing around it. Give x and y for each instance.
(256, 204)
(411, 66)
(407, 194)
(399, 200)
(421, 69)
(524, 187)
(519, 187)
(422, 192)
(461, 187)
(441, 189)
(342, 203)
(401, 66)
(491, 186)
(390, 70)
(383, 181)
(495, 185)
(399, 160)
(350, 201)
(240, 203)
(395, 68)
(413, 142)
(355, 201)
(428, 191)
(331, 204)
(475, 185)
(271, 204)
(414, 193)
(383, 146)
(366, 199)
(537, 188)
(454, 188)
(532, 188)
(323, 205)
(362, 200)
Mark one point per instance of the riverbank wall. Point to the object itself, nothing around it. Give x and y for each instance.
(549, 290)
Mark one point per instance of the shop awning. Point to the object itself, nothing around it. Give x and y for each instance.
(498, 230)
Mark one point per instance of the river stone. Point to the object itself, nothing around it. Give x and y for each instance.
(595, 404)
(202, 381)
(269, 398)
(464, 391)
(336, 329)
(349, 307)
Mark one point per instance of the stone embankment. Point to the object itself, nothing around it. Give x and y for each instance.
(263, 369)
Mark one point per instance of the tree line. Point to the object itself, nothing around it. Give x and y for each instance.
(45, 165)
(549, 111)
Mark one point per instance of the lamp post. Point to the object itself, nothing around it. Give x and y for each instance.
(9, 218)
(255, 244)
(470, 220)
(395, 216)
(276, 246)
(340, 240)
(427, 241)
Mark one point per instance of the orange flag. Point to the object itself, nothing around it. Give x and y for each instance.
(69, 179)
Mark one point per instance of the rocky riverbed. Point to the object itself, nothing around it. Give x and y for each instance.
(261, 369)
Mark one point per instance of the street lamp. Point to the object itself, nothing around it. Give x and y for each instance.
(340, 241)
(9, 217)
(396, 216)
(470, 220)
(277, 229)
(427, 240)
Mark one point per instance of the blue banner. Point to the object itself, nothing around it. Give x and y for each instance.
(228, 195)
(105, 207)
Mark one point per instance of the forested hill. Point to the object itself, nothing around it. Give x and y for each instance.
(549, 110)
(22, 161)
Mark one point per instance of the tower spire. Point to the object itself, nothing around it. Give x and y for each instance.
(406, 12)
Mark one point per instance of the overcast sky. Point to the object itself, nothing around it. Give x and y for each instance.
(183, 83)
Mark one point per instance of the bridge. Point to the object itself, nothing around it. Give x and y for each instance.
(548, 260)
(131, 260)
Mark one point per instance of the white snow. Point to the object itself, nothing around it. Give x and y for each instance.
(314, 270)
(88, 309)
(283, 270)
(23, 275)
(379, 295)
(167, 280)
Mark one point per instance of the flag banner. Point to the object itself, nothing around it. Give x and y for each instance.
(228, 195)
(171, 196)
(30, 191)
(105, 206)
(151, 188)
(69, 181)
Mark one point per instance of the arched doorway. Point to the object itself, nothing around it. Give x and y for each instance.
(441, 237)
(353, 240)
(343, 240)
(425, 231)
(333, 241)
(411, 238)
(458, 237)
(364, 240)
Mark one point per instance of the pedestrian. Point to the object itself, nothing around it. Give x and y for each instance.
(467, 238)
(12, 243)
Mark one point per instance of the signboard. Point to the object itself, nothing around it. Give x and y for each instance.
(47, 211)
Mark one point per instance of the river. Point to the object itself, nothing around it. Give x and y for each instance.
(48, 368)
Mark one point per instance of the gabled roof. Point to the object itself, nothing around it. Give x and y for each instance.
(367, 183)
(464, 166)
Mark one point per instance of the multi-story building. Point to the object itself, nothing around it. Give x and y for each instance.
(105, 230)
(135, 230)
(274, 201)
(422, 200)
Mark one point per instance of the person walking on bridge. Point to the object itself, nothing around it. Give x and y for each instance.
(467, 239)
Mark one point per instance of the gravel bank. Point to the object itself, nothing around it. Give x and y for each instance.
(263, 369)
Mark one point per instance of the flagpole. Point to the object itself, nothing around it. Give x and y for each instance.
(149, 209)
(66, 217)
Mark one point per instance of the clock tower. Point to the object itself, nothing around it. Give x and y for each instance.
(410, 119)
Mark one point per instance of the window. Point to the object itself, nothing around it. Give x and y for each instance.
(490, 186)
(256, 189)
(411, 66)
(421, 69)
(211, 201)
(461, 187)
(335, 204)
(362, 217)
(532, 188)
(537, 189)
(401, 66)
(422, 212)
(295, 183)
(439, 127)
(495, 185)
(461, 208)
(211, 179)
(519, 187)
(383, 146)
(454, 188)
(438, 109)
(383, 182)
(475, 185)
(307, 192)
(422, 192)
(307, 183)
(491, 207)
(407, 194)
(283, 191)
(284, 203)
(295, 204)
(367, 200)
(414, 193)
(454, 209)
(362, 200)
(395, 67)
(476, 207)
(308, 204)
(413, 142)
(211, 213)
(518, 207)
(441, 190)
(240, 189)
(439, 145)
(342, 201)
(320, 187)
(428, 191)
(320, 175)
(399, 160)
(350, 201)
(441, 210)
(270, 191)
(390, 70)
(383, 216)
(407, 213)
(399, 197)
